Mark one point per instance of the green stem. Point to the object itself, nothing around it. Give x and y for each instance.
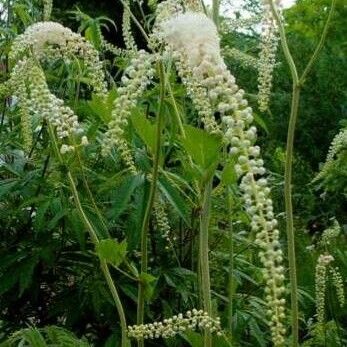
(176, 112)
(297, 84)
(95, 240)
(320, 44)
(288, 179)
(150, 202)
(203, 255)
(289, 214)
(215, 12)
(231, 262)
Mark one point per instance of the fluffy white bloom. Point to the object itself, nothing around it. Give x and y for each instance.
(50, 41)
(195, 35)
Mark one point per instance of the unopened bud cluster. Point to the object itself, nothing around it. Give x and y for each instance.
(337, 145)
(47, 9)
(267, 57)
(162, 220)
(323, 262)
(338, 284)
(330, 234)
(135, 80)
(126, 28)
(50, 41)
(240, 57)
(194, 41)
(191, 320)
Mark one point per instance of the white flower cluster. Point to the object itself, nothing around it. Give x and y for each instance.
(163, 12)
(193, 38)
(135, 80)
(28, 84)
(320, 284)
(192, 320)
(267, 57)
(49, 41)
(126, 28)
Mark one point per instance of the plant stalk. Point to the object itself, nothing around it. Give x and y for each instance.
(215, 12)
(203, 255)
(150, 202)
(95, 240)
(297, 84)
(231, 263)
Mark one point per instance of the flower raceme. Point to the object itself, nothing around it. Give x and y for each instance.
(50, 41)
(41, 43)
(193, 41)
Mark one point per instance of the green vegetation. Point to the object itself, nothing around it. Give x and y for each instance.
(167, 183)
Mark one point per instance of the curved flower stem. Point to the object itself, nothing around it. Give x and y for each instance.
(203, 255)
(95, 240)
(150, 202)
(297, 84)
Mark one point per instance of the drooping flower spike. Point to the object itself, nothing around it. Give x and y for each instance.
(47, 42)
(194, 44)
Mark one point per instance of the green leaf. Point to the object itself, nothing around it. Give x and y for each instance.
(260, 121)
(145, 129)
(193, 338)
(229, 176)
(122, 193)
(149, 283)
(174, 196)
(202, 147)
(112, 251)
(26, 274)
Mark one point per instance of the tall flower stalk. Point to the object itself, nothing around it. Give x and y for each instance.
(150, 202)
(297, 84)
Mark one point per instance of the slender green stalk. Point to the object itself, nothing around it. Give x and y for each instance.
(215, 12)
(320, 44)
(231, 262)
(177, 113)
(203, 255)
(95, 240)
(150, 202)
(297, 84)
(289, 214)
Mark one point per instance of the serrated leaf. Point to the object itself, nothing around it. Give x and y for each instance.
(202, 147)
(122, 194)
(112, 251)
